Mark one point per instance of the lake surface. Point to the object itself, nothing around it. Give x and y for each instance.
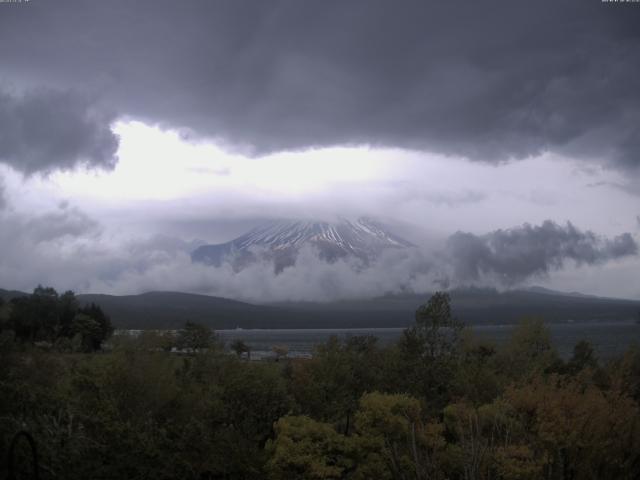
(609, 338)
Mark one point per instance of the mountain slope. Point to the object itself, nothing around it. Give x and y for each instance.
(281, 242)
(476, 306)
(173, 309)
(471, 305)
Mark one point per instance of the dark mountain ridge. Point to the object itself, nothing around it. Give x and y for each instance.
(471, 305)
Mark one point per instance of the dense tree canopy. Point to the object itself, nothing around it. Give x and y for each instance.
(46, 316)
(440, 404)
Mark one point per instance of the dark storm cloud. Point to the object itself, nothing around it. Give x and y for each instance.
(61, 246)
(43, 130)
(487, 80)
(513, 255)
(21, 231)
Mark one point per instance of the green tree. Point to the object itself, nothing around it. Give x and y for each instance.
(428, 354)
(105, 328)
(4, 315)
(393, 440)
(329, 385)
(195, 338)
(436, 329)
(87, 332)
(476, 377)
(47, 316)
(528, 351)
(67, 310)
(322, 385)
(35, 317)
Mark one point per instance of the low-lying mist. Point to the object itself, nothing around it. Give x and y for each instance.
(68, 251)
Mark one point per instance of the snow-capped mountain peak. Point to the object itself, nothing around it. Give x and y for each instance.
(281, 240)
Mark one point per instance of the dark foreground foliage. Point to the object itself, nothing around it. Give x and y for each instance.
(439, 404)
(53, 320)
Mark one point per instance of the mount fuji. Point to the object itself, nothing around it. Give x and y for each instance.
(281, 241)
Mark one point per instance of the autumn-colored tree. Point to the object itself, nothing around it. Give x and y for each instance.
(489, 442)
(308, 450)
(625, 373)
(390, 441)
(581, 430)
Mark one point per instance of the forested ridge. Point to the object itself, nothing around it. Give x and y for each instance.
(477, 306)
(438, 404)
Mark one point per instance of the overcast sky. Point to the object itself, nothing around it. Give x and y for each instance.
(501, 137)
